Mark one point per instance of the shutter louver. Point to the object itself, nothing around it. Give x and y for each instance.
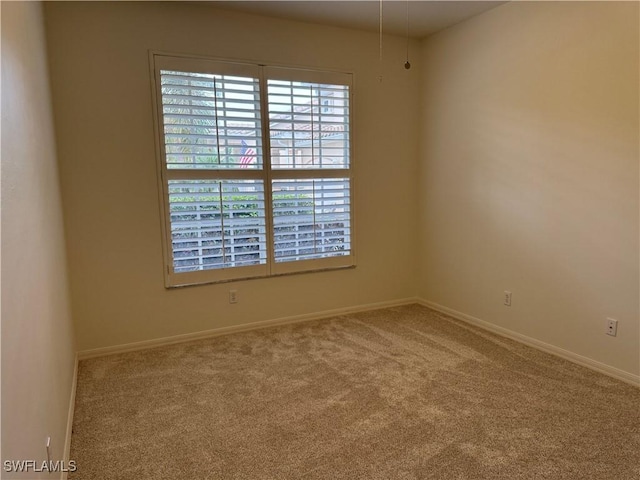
(217, 224)
(211, 121)
(309, 125)
(311, 219)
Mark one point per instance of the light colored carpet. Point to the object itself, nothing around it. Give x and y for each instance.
(399, 393)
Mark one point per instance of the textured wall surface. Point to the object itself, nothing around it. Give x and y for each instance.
(529, 173)
(103, 112)
(38, 347)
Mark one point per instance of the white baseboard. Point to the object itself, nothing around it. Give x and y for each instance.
(159, 342)
(72, 406)
(532, 342)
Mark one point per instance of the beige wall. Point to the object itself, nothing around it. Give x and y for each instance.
(102, 104)
(38, 349)
(529, 173)
(528, 170)
(528, 181)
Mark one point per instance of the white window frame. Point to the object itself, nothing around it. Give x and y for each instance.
(163, 61)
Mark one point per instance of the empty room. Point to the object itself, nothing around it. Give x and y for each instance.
(321, 240)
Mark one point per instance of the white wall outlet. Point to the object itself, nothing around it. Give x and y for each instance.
(507, 298)
(612, 327)
(233, 296)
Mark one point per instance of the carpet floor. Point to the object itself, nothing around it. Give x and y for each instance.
(398, 393)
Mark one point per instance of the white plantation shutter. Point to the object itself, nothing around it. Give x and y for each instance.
(308, 125)
(309, 133)
(217, 224)
(311, 218)
(207, 118)
(238, 204)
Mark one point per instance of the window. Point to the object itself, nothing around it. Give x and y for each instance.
(255, 169)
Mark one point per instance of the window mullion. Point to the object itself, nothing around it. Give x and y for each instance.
(266, 166)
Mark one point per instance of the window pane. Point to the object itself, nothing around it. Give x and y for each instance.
(311, 218)
(217, 224)
(211, 121)
(309, 125)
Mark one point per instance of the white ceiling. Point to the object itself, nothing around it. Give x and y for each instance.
(425, 16)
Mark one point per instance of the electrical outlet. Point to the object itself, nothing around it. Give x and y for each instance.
(507, 298)
(612, 327)
(233, 296)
